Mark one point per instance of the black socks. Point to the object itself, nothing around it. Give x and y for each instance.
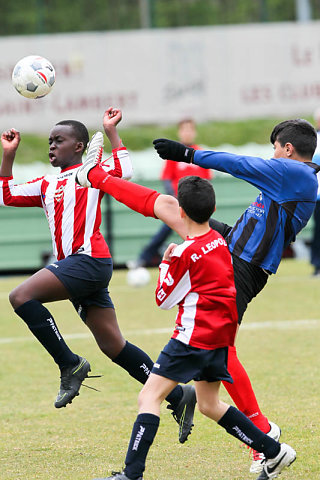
(143, 432)
(138, 364)
(44, 328)
(238, 425)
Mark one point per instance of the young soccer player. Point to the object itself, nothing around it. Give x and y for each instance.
(83, 268)
(198, 277)
(288, 190)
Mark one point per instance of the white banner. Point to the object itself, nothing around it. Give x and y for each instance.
(159, 76)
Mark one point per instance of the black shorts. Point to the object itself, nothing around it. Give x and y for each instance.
(182, 363)
(86, 279)
(249, 279)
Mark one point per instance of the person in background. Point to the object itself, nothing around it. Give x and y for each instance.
(170, 176)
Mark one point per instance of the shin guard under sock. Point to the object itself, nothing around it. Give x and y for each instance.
(44, 328)
(143, 432)
(238, 425)
(242, 393)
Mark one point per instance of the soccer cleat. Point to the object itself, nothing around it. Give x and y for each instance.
(259, 458)
(117, 476)
(184, 412)
(94, 156)
(71, 380)
(274, 466)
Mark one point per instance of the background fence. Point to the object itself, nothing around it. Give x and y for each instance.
(25, 240)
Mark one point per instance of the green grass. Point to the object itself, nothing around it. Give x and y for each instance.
(89, 438)
(35, 148)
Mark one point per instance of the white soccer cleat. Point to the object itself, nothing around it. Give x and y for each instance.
(274, 466)
(94, 156)
(258, 458)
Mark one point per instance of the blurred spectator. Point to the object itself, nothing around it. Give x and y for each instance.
(171, 173)
(315, 242)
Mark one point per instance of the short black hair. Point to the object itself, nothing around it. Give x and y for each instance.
(79, 129)
(197, 198)
(299, 133)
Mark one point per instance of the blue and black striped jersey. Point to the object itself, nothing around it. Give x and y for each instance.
(288, 192)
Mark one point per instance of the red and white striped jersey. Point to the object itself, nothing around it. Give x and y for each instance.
(73, 212)
(199, 279)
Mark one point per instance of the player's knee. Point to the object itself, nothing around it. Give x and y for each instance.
(203, 407)
(209, 409)
(142, 398)
(16, 298)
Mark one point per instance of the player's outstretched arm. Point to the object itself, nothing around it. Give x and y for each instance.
(146, 201)
(111, 118)
(10, 140)
(166, 208)
(173, 150)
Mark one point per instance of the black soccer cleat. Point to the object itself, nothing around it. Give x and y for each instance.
(117, 476)
(184, 412)
(71, 380)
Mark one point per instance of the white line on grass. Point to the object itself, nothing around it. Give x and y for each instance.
(276, 325)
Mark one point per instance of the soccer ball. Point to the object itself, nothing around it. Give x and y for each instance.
(138, 277)
(33, 76)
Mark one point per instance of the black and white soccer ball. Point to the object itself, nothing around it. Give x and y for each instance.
(33, 76)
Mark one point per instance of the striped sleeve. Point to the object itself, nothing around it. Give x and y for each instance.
(22, 195)
(120, 165)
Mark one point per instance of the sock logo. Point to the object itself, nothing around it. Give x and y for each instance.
(242, 435)
(54, 328)
(145, 369)
(138, 438)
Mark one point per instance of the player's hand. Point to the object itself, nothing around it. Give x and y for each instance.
(168, 253)
(10, 140)
(170, 150)
(111, 118)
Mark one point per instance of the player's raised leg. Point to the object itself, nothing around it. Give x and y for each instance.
(27, 300)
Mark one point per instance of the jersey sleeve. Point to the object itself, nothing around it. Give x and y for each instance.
(120, 164)
(266, 175)
(173, 282)
(22, 195)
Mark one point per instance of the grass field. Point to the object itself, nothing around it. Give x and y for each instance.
(278, 343)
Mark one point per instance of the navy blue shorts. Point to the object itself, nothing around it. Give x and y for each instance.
(182, 363)
(86, 279)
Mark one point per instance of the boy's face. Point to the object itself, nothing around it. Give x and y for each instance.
(187, 133)
(282, 152)
(64, 148)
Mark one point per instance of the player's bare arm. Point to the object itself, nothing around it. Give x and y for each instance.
(10, 140)
(166, 208)
(112, 116)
